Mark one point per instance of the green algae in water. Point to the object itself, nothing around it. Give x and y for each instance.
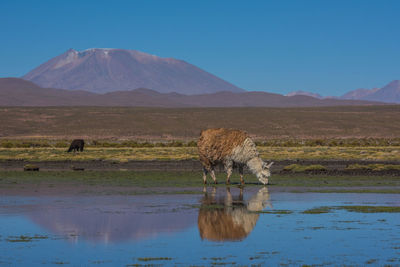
(60, 262)
(275, 212)
(155, 259)
(318, 210)
(371, 209)
(360, 209)
(24, 238)
(349, 190)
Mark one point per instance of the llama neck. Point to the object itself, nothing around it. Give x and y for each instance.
(255, 165)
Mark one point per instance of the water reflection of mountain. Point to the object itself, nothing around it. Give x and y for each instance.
(99, 222)
(111, 219)
(227, 218)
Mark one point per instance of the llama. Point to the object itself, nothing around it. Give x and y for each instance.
(76, 145)
(231, 148)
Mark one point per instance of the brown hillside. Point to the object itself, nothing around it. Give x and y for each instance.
(18, 92)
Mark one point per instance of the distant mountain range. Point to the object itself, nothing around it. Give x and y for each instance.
(106, 77)
(107, 70)
(19, 92)
(390, 93)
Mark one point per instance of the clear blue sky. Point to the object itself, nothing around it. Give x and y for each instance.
(328, 47)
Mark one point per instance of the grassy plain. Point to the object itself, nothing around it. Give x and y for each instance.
(126, 179)
(123, 154)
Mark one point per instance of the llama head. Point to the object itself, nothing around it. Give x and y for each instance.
(265, 173)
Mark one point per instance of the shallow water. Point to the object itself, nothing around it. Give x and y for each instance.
(219, 227)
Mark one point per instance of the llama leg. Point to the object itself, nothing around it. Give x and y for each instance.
(228, 168)
(205, 171)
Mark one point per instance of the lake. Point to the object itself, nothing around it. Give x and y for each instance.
(222, 226)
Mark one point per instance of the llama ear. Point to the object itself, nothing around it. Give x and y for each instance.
(265, 165)
(269, 165)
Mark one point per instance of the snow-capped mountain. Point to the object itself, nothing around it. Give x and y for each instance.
(103, 70)
(305, 93)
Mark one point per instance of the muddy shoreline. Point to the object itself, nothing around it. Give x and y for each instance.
(334, 167)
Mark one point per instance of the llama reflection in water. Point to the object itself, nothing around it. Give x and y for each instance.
(230, 218)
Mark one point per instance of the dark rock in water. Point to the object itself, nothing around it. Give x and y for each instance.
(31, 167)
(77, 168)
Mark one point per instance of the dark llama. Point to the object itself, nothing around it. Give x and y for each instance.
(76, 145)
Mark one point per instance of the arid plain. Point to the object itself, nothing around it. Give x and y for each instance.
(185, 124)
